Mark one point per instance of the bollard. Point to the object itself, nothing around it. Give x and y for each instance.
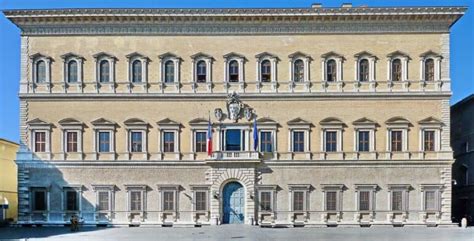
(464, 223)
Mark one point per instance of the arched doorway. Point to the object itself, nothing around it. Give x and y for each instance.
(233, 203)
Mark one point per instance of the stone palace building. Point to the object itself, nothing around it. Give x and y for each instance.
(318, 116)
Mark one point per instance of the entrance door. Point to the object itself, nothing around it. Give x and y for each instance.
(233, 203)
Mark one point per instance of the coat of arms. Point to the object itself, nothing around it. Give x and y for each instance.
(235, 109)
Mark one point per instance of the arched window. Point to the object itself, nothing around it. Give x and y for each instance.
(331, 71)
(429, 70)
(104, 71)
(72, 71)
(396, 70)
(137, 71)
(41, 71)
(298, 71)
(234, 71)
(266, 70)
(364, 70)
(169, 72)
(201, 71)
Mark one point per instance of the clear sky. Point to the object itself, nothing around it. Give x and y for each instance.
(462, 40)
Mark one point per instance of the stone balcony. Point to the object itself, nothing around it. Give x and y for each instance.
(235, 156)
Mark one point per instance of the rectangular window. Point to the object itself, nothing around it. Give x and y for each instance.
(396, 140)
(430, 200)
(104, 141)
(168, 142)
(429, 140)
(168, 201)
(266, 201)
(201, 141)
(397, 200)
(39, 200)
(136, 141)
(71, 141)
(331, 141)
(72, 203)
(298, 141)
(201, 200)
(234, 140)
(298, 201)
(364, 200)
(331, 201)
(103, 202)
(363, 144)
(266, 141)
(40, 141)
(135, 201)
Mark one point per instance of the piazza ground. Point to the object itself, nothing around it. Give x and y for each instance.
(241, 233)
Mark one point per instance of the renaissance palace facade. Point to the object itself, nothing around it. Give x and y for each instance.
(274, 117)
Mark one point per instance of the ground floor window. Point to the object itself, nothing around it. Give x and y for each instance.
(136, 201)
(39, 200)
(72, 200)
(201, 200)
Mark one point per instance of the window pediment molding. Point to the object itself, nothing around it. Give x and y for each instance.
(104, 187)
(430, 54)
(266, 121)
(304, 187)
(201, 55)
(167, 122)
(76, 187)
(399, 186)
(372, 187)
(38, 122)
(364, 123)
(332, 54)
(233, 55)
(431, 186)
(142, 187)
(169, 55)
(102, 122)
(136, 55)
(299, 122)
(135, 122)
(104, 55)
(70, 123)
(175, 187)
(69, 56)
(199, 122)
(398, 121)
(332, 122)
(365, 54)
(266, 55)
(398, 54)
(338, 187)
(200, 186)
(431, 121)
(300, 55)
(39, 56)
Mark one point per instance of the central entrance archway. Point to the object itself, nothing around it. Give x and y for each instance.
(233, 203)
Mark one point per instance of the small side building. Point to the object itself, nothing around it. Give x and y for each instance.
(462, 141)
(8, 181)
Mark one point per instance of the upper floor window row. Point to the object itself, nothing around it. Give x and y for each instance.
(299, 71)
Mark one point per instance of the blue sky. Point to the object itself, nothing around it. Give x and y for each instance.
(462, 39)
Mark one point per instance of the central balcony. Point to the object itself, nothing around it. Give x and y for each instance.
(235, 156)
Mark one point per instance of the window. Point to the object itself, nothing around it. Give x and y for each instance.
(104, 68)
(40, 141)
(39, 200)
(72, 71)
(298, 71)
(201, 141)
(233, 71)
(396, 140)
(430, 200)
(397, 201)
(41, 71)
(331, 141)
(201, 71)
(72, 201)
(201, 200)
(136, 138)
(169, 71)
(168, 142)
(168, 201)
(137, 71)
(364, 200)
(298, 141)
(265, 201)
(429, 70)
(298, 200)
(364, 70)
(266, 70)
(104, 141)
(396, 70)
(331, 201)
(234, 140)
(103, 203)
(429, 140)
(136, 201)
(266, 141)
(363, 138)
(331, 70)
(71, 141)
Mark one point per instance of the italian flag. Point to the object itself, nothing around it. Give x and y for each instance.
(209, 138)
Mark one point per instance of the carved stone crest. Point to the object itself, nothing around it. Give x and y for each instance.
(235, 109)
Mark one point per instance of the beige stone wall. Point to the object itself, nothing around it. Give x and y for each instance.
(183, 111)
(281, 45)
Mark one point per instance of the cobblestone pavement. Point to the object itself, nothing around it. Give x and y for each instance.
(240, 233)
